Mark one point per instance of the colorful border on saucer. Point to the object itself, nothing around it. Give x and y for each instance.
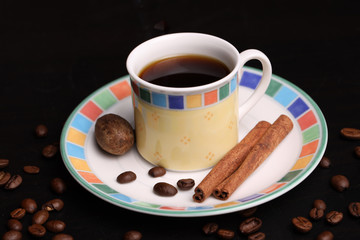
(298, 103)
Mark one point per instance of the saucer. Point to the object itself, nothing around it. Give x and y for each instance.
(291, 162)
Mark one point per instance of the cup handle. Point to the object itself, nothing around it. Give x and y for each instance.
(264, 81)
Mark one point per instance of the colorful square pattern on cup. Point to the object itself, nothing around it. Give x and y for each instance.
(194, 101)
(224, 91)
(211, 97)
(159, 99)
(233, 84)
(145, 95)
(176, 102)
(298, 107)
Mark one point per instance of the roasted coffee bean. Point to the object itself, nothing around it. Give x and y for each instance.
(350, 133)
(41, 131)
(357, 151)
(4, 178)
(29, 205)
(55, 226)
(334, 217)
(185, 184)
(14, 182)
(18, 213)
(319, 204)
(14, 224)
(248, 212)
(157, 171)
(302, 224)
(250, 225)
(257, 236)
(4, 163)
(37, 230)
(325, 162)
(58, 185)
(62, 236)
(54, 204)
(12, 235)
(354, 209)
(225, 234)
(325, 235)
(210, 228)
(316, 214)
(49, 151)
(132, 235)
(164, 189)
(126, 177)
(339, 183)
(40, 217)
(31, 169)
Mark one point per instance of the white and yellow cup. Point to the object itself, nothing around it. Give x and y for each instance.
(187, 129)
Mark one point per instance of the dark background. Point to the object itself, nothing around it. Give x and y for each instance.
(54, 54)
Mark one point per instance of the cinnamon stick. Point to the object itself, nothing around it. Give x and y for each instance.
(229, 163)
(263, 148)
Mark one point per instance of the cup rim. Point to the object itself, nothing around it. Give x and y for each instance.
(180, 90)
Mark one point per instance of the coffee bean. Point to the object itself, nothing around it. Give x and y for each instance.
(126, 177)
(49, 151)
(334, 217)
(58, 185)
(316, 214)
(54, 204)
(164, 189)
(29, 205)
(325, 235)
(12, 235)
(354, 209)
(225, 234)
(4, 163)
(14, 224)
(157, 171)
(248, 212)
(325, 162)
(357, 151)
(250, 225)
(14, 182)
(18, 213)
(186, 184)
(4, 178)
(55, 226)
(319, 204)
(339, 183)
(62, 236)
(41, 131)
(132, 235)
(210, 228)
(40, 217)
(257, 236)
(350, 133)
(37, 230)
(31, 169)
(302, 224)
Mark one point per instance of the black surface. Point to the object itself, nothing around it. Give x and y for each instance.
(53, 55)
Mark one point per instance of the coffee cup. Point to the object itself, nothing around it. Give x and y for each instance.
(186, 99)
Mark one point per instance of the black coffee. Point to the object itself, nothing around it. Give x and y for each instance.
(184, 71)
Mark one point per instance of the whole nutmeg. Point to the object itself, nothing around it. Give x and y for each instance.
(114, 134)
